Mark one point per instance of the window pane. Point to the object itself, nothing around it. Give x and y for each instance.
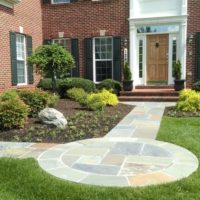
(65, 43)
(103, 70)
(140, 59)
(20, 71)
(20, 45)
(158, 29)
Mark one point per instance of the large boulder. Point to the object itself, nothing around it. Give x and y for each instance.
(51, 116)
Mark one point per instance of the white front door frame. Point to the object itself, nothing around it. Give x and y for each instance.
(181, 42)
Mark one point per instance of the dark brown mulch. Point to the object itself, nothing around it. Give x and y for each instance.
(173, 112)
(82, 124)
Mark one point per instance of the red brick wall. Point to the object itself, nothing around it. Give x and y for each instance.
(27, 14)
(82, 19)
(193, 27)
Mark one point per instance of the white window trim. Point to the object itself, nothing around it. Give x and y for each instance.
(9, 3)
(25, 63)
(52, 2)
(94, 59)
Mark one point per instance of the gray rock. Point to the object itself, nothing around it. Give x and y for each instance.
(51, 116)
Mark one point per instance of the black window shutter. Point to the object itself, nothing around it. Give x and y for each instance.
(47, 41)
(13, 54)
(29, 47)
(88, 54)
(117, 58)
(197, 71)
(75, 54)
(46, 1)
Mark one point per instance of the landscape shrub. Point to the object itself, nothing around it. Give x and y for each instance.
(196, 86)
(46, 84)
(69, 83)
(110, 84)
(108, 98)
(13, 113)
(95, 102)
(189, 101)
(37, 100)
(8, 95)
(78, 94)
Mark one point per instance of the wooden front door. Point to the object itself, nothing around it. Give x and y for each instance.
(157, 58)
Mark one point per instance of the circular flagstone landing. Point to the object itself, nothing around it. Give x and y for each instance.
(118, 162)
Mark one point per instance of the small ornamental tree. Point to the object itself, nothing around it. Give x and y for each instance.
(52, 60)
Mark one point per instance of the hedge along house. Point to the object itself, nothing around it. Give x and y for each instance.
(93, 31)
(20, 32)
(160, 33)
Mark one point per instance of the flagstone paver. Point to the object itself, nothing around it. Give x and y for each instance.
(127, 156)
(125, 162)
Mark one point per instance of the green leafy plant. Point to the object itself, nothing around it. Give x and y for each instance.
(69, 83)
(37, 100)
(52, 60)
(189, 101)
(177, 70)
(196, 86)
(127, 72)
(78, 94)
(110, 84)
(13, 113)
(8, 95)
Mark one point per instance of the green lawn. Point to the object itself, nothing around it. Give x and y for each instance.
(24, 180)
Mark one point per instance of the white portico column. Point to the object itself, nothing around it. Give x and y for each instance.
(183, 47)
(133, 53)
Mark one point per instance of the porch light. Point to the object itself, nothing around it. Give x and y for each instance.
(190, 38)
(125, 42)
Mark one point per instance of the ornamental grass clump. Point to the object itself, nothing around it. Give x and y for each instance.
(189, 101)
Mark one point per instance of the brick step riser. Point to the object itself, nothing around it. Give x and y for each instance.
(149, 99)
(155, 87)
(148, 94)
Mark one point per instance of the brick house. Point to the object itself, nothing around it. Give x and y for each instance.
(101, 34)
(20, 30)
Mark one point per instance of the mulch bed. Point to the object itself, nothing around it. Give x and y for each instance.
(172, 112)
(82, 124)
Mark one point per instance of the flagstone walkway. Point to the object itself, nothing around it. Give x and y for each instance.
(127, 156)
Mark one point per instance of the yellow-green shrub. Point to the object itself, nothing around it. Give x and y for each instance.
(189, 100)
(95, 102)
(109, 98)
(13, 113)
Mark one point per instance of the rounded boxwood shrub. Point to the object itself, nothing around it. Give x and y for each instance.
(196, 86)
(46, 84)
(13, 113)
(110, 84)
(78, 94)
(37, 100)
(69, 83)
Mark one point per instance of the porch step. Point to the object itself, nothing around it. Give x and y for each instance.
(154, 87)
(168, 95)
(149, 98)
(150, 92)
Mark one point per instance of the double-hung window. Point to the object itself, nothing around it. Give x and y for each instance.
(103, 48)
(60, 1)
(21, 59)
(64, 42)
